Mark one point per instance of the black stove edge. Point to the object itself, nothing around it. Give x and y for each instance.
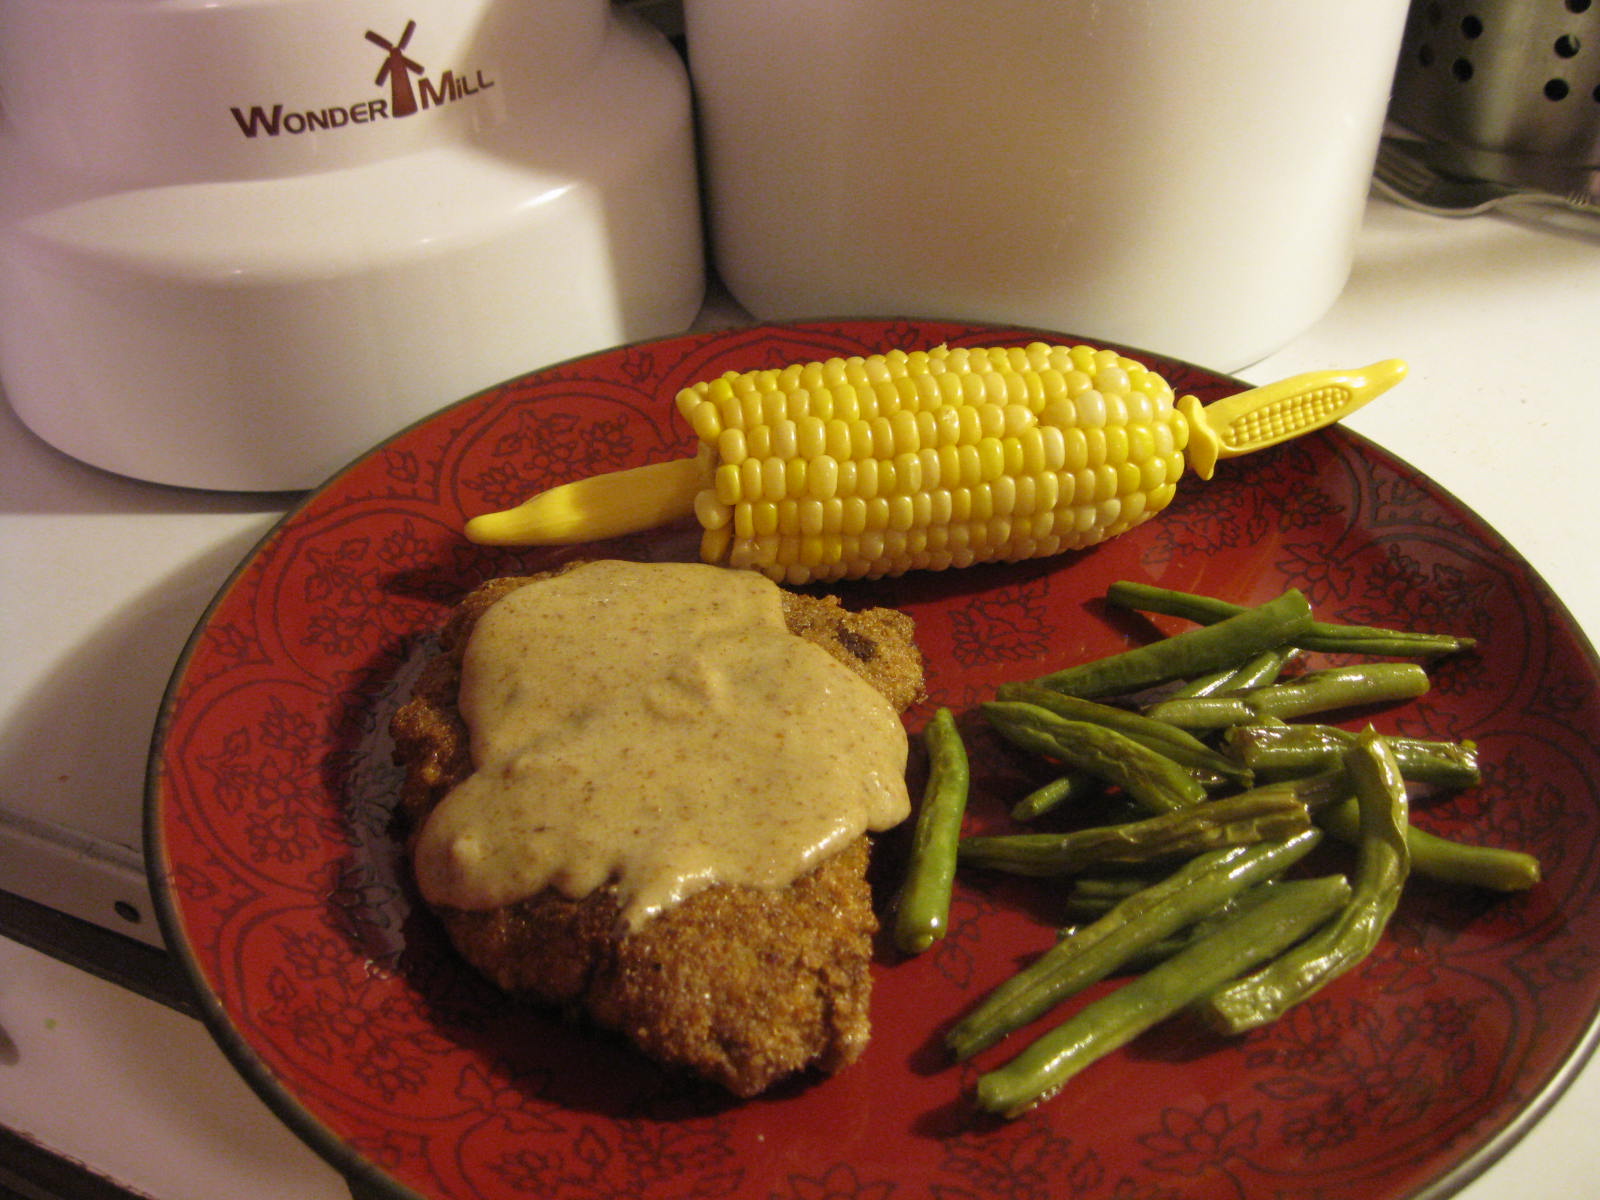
(30, 1172)
(121, 960)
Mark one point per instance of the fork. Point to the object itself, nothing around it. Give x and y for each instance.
(1403, 177)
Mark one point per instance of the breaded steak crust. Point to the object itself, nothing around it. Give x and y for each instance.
(742, 986)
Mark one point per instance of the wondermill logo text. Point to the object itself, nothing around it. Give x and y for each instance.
(408, 89)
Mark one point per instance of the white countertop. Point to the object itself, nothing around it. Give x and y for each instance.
(103, 578)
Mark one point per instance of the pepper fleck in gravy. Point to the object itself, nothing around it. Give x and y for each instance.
(657, 727)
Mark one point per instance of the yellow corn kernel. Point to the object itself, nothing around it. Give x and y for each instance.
(764, 517)
(852, 515)
(1118, 444)
(849, 479)
(1084, 486)
(1004, 491)
(1095, 448)
(757, 442)
(970, 464)
(982, 507)
(907, 474)
(1129, 477)
(710, 511)
(794, 477)
(888, 477)
(731, 446)
(1011, 456)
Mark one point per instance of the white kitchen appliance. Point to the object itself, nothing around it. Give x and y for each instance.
(243, 240)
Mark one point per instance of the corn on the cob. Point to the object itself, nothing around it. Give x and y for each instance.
(863, 467)
(875, 466)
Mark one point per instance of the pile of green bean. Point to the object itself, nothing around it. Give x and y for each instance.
(1190, 895)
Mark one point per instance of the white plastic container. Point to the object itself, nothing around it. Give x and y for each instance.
(1185, 177)
(243, 240)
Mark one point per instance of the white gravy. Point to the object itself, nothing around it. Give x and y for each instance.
(655, 726)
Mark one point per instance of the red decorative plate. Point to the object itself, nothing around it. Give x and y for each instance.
(280, 886)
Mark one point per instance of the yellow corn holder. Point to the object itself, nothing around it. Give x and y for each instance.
(862, 467)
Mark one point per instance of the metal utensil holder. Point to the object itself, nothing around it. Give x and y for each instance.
(1510, 87)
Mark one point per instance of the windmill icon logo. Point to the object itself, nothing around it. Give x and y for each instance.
(397, 70)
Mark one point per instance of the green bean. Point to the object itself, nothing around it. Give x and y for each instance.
(1382, 863)
(1261, 670)
(1444, 860)
(1139, 920)
(1152, 781)
(1332, 638)
(1340, 687)
(1210, 923)
(1276, 751)
(1327, 636)
(1202, 714)
(1110, 887)
(1286, 913)
(1314, 692)
(1190, 606)
(1317, 791)
(1158, 951)
(922, 915)
(1092, 898)
(1258, 815)
(1437, 763)
(1225, 644)
(1071, 785)
(1143, 959)
(1086, 908)
(1179, 745)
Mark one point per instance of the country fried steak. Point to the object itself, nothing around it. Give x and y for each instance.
(740, 985)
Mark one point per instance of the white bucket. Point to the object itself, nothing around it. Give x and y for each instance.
(1185, 177)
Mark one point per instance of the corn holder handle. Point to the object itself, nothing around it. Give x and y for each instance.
(1276, 412)
(600, 506)
(629, 501)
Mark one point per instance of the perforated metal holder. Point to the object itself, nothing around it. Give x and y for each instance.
(1508, 89)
